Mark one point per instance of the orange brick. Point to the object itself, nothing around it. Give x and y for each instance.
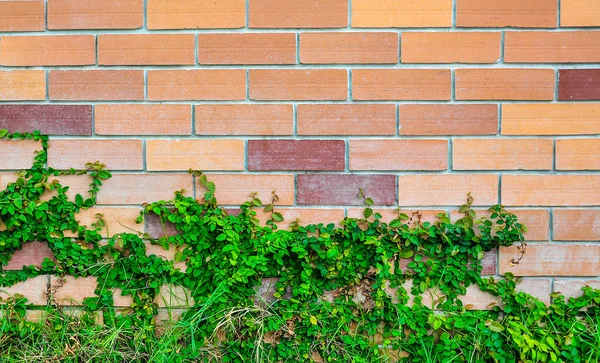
(197, 84)
(235, 189)
(451, 47)
(93, 14)
(572, 287)
(304, 216)
(551, 119)
(504, 84)
(537, 221)
(331, 48)
(142, 188)
(298, 84)
(551, 190)
(398, 154)
(247, 48)
(18, 154)
(22, 85)
(48, 50)
(24, 15)
(447, 189)
(579, 13)
(576, 225)
(552, 47)
(456, 119)
(552, 259)
(346, 119)
(118, 219)
(146, 49)
(401, 14)
(298, 14)
(122, 119)
(194, 14)
(118, 154)
(502, 154)
(34, 289)
(507, 13)
(401, 84)
(101, 85)
(202, 155)
(244, 119)
(578, 154)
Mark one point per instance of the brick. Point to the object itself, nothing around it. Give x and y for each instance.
(552, 259)
(451, 47)
(97, 85)
(504, 84)
(401, 84)
(121, 154)
(576, 225)
(298, 84)
(24, 15)
(447, 189)
(304, 216)
(244, 119)
(507, 13)
(298, 14)
(78, 184)
(346, 119)
(93, 14)
(146, 49)
(578, 84)
(401, 14)
(174, 296)
(573, 287)
(551, 190)
(71, 291)
(22, 85)
(388, 214)
(456, 119)
(550, 119)
(332, 48)
(75, 120)
(18, 154)
(34, 289)
(502, 154)
(398, 154)
(142, 188)
(296, 155)
(157, 228)
(537, 221)
(118, 219)
(48, 50)
(342, 189)
(132, 119)
(235, 189)
(480, 300)
(552, 47)
(247, 48)
(197, 84)
(31, 254)
(578, 154)
(579, 13)
(196, 14)
(168, 255)
(225, 154)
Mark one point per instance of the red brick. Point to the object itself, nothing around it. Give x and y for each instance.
(578, 154)
(456, 119)
(235, 189)
(296, 155)
(194, 14)
(34, 289)
(401, 14)
(552, 259)
(551, 190)
(504, 84)
(197, 84)
(507, 13)
(342, 189)
(157, 229)
(48, 50)
(451, 47)
(578, 84)
(32, 253)
(132, 119)
(551, 119)
(223, 154)
(502, 154)
(143, 188)
(120, 154)
(332, 48)
(298, 14)
(401, 84)
(573, 287)
(398, 154)
(146, 49)
(576, 225)
(247, 48)
(447, 189)
(346, 119)
(552, 47)
(49, 119)
(18, 154)
(298, 84)
(24, 15)
(93, 14)
(97, 85)
(22, 85)
(244, 119)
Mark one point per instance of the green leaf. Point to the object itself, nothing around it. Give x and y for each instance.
(368, 212)
(3, 133)
(277, 217)
(494, 326)
(104, 174)
(313, 320)
(78, 200)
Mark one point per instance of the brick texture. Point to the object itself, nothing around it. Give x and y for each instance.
(578, 154)
(433, 119)
(96, 85)
(408, 14)
(507, 13)
(579, 13)
(331, 48)
(248, 48)
(244, 119)
(18, 154)
(548, 47)
(354, 119)
(315, 84)
(235, 189)
(122, 154)
(23, 15)
(401, 84)
(342, 189)
(447, 189)
(175, 85)
(22, 85)
(504, 84)
(550, 190)
(48, 50)
(132, 119)
(146, 49)
(550, 119)
(576, 225)
(92, 14)
(298, 14)
(192, 14)
(296, 155)
(455, 47)
(49, 119)
(500, 154)
(225, 154)
(578, 84)
(398, 154)
(553, 260)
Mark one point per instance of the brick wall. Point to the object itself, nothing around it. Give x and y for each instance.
(418, 102)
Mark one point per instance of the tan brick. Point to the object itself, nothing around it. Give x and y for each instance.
(398, 154)
(93, 14)
(576, 224)
(118, 219)
(24, 15)
(247, 48)
(146, 49)
(551, 119)
(451, 47)
(71, 291)
(78, 184)
(447, 189)
(579, 13)
(22, 85)
(48, 50)
(235, 189)
(537, 221)
(401, 84)
(401, 14)
(551, 190)
(455, 119)
(298, 84)
(174, 296)
(225, 154)
(573, 287)
(33, 289)
(141, 188)
(298, 14)
(538, 288)
(97, 85)
(304, 216)
(31, 254)
(504, 84)
(197, 84)
(18, 154)
(346, 119)
(578, 154)
(194, 14)
(118, 154)
(332, 48)
(244, 119)
(123, 119)
(168, 255)
(502, 154)
(507, 13)
(552, 259)
(552, 47)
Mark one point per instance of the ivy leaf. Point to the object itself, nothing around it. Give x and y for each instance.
(313, 320)
(494, 326)
(104, 174)
(3, 133)
(277, 217)
(78, 200)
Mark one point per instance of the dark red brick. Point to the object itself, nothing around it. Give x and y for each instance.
(489, 262)
(578, 84)
(32, 253)
(342, 189)
(315, 155)
(156, 229)
(75, 120)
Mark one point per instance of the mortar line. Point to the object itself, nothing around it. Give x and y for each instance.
(145, 15)
(397, 133)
